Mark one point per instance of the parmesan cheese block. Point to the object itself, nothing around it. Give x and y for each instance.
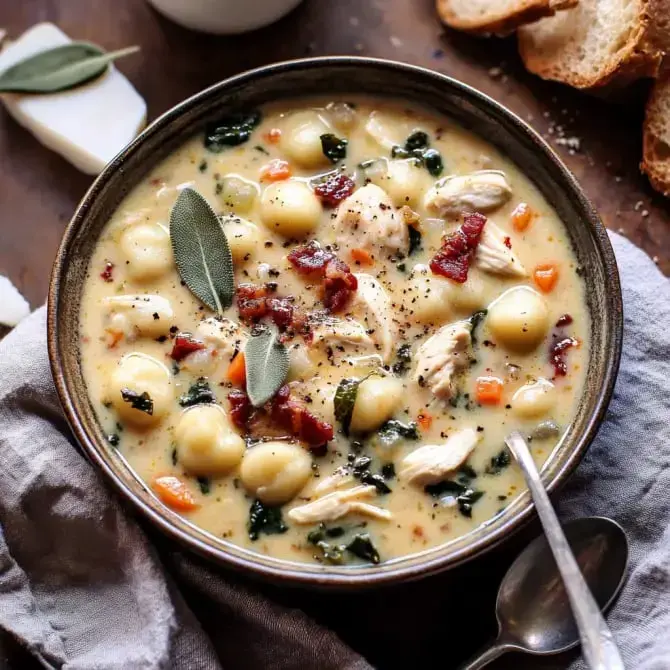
(87, 125)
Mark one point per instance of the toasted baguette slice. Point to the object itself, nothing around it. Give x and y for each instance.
(496, 16)
(656, 136)
(598, 43)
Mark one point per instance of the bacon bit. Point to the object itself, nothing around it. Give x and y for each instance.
(424, 420)
(251, 302)
(557, 353)
(335, 189)
(174, 493)
(106, 274)
(564, 320)
(507, 242)
(521, 216)
(157, 181)
(275, 170)
(185, 344)
(273, 135)
(546, 276)
(417, 532)
(454, 258)
(362, 257)
(339, 282)
(240, 408)
(254, 303)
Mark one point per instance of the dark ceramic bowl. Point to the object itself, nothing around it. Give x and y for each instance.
(342, 75)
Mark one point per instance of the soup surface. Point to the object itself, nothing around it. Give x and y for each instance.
(331, 378)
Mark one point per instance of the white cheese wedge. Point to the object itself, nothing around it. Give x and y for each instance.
(87, 125)
(13, 306)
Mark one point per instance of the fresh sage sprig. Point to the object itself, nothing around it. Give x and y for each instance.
(201, 251)
(59, 69)
(266, 362)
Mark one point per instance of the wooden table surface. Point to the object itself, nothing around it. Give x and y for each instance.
(39, 190)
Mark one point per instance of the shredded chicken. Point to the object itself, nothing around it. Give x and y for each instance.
(494, 256)
(344, 337)
(222, 334)
(480, 191)
(433, 462)
(441, 357)
(382, 130)
(340, 478)
(368, 220)
(337, 504)
(131, 315)
(373, 305)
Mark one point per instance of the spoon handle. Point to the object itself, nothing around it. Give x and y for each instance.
(485, 655)
(598, 645)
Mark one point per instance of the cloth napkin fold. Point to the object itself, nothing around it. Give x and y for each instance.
(86, 585)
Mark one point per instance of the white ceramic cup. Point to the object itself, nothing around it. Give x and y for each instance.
(224, 17)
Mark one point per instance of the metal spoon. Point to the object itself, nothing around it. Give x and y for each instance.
(534, 611)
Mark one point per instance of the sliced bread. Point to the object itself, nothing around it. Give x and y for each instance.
(656, 136)
(598, 43)
(496, 16)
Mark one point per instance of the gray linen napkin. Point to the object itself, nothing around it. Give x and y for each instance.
(83, 585)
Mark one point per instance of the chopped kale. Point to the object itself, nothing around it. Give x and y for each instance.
(433, 162)
(231, 130)
(475, 321)
(204, 484)
(361, 463)
(465, 496)
(362, 547)
(403, 357)
(498, 463)
(322, 532)
(394, 431)
(417, 145)
(414, 240)
(140, 401)
(417, 140)
(468, 471)
(377, 481)
(467, 500)
(333, 147)
(263, 519)
(333, 553)
(345, 398)
(388, 471)
(199, 392)
(335, 531)
(113, 439)
(203, 165)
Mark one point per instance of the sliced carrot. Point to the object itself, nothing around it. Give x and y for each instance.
(174, 493)
(273, 135)
(546, 276)
(489, 390)
(362, 256)
(237, 373)
(521, 216)
(425, 420)
(275, 170)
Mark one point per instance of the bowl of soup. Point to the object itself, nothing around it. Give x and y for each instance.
(295, 319)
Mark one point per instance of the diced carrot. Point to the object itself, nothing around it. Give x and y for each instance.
(237, 371)
(425, 420)
(489, 390)
(521, 216)
(362, 256)
(275, 170)
(115, 336)
(174, 493)
(546, 276)
(273, 135)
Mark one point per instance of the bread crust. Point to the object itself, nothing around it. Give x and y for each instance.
(641, 57)
(656, 135)
(527, 11)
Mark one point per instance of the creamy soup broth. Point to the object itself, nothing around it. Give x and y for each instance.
(399, 301)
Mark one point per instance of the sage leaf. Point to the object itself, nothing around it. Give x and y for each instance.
(266, 362)
(201, 251)
(59, 69)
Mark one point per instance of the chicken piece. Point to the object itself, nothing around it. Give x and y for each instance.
(340, 478)
(441, 357)
(221, 334)
(343, 336)
(481, 191)
(494, 256)
(337, 504)
(367, 220)
(372, 304)
(433, 462)
(137, 315)
(383, 130)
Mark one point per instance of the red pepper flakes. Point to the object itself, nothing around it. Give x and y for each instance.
(334, 189)
(564, 320)
(557, 353)
(106, 274)
(507, 242)
(185, 344)
(458, 249)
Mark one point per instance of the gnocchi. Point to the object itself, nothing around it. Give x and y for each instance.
(519, 319)
(301, 139)
(534, 399)
(290, 208)
(148, 251)
(242, 235)
(377, 400)
(403, 180)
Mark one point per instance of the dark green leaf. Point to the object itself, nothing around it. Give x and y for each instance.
(498, 463)
(362, 547)
(377, 481)
(403, 359)
(417, 140)
(399, 152)
(201, 250)
(265, 519)
(333, 147)
(198, 393)
(345, 398)
(414, 240)
(140, 401)
(394, 431)
(468, 471)
(388, 471)
(59, 69)
(332, 553)
(204, 484)
(433, 162)
(113, 439)
(231, 130)
(465, 496)
(476, 320)
(266, 363)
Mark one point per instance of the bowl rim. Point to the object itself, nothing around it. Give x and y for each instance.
(291, 572)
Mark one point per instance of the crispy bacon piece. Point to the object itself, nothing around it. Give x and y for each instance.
(454, 258)
(564, 320)
(251, 302)
(256, 302)
(185, 344)
(106, 274)
(240, 408)
(339, 282)
(557, 353)
(335, 189)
